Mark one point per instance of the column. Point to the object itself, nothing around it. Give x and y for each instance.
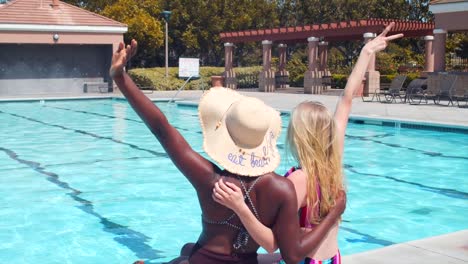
(266, 80)
(368, 37)
(440, 36)
(429, 55)
(324, 72)
(323, 55)
(282, 75)
(372, 77)
(229, 75)
(312, 79)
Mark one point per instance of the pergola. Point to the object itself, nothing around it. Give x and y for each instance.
(318, 36)
(346, 30)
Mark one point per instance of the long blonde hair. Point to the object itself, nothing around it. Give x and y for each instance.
(312, 141)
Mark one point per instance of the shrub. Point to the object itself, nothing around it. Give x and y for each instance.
(339, 80)
(155, 77)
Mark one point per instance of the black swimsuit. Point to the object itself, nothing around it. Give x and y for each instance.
(201, 255)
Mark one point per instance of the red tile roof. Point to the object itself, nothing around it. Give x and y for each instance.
(41, 12)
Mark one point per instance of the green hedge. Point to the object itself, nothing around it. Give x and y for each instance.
(155, 77)
(409, 77)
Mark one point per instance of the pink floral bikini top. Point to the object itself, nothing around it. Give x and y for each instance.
(304, 220)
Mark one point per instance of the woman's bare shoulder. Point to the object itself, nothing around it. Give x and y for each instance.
(277, 183)
(298, 177)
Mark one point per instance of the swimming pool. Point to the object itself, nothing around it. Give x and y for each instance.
(85, 182)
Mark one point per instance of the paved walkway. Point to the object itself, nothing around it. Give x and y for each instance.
(453, 116)
(426, 114)
(447, 249)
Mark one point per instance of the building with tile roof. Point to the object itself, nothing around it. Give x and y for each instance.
(51, 47)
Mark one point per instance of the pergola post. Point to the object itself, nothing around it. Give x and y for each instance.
(372, 77)
(266, 79)
(312, 78)
(440, 36)
(229, 75)
(324, 72)
(429, 55)
(282, 74)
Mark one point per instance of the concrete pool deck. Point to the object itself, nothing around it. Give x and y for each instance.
(420, 114)
(451, 116)
(448, 248)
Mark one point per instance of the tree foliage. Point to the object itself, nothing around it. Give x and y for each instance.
(142, 25)
(195, 25)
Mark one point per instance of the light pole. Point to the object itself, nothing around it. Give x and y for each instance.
(166, 15)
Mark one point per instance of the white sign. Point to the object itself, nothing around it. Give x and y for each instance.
(189, 67)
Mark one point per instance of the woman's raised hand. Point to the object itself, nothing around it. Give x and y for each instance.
(380, 42)
(229, 195)
(121, 57)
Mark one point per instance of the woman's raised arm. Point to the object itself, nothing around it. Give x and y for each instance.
(355, 80)
(190, 163)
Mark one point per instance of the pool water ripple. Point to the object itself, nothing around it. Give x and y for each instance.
(88, 179)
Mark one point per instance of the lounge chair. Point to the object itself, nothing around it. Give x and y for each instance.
(415, 90)
(461, 91)
(463, 98)
(418, 95)
(447, 89)
(374, 96)
(393, 91)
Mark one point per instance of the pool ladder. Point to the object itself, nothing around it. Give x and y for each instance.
(180, 89)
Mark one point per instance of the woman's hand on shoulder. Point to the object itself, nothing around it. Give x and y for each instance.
(121, 57)
(229, 195)
(340, 205)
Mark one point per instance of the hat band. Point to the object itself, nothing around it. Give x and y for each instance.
(244, 159)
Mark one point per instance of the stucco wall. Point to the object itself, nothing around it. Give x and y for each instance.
(52, 69)
(453, 21)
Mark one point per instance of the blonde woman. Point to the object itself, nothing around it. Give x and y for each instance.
(315, 138)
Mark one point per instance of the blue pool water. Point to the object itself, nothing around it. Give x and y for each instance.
(85, 182)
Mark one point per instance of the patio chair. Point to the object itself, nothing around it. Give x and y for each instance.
(383, 86)
(463, 98)
(447, 89)
(415, 90)
(374, 96)
(427, 94)
(394, 90)
(461, 91)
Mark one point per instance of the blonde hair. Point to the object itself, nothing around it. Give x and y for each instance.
(312, 141)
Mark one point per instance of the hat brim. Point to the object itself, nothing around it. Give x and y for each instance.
(219, 145)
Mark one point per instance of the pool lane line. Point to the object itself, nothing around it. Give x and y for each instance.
(155, 153)
(447, 192)
(393, 145)
(88, 162)
(366, 238)
(133, 240)
(115, 117)
(442, 191)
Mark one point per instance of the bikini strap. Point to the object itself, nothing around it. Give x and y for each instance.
(243, 236)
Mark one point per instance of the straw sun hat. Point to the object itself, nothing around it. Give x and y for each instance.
(239, 132)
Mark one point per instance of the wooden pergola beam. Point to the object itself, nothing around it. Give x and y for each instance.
(336, 31)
